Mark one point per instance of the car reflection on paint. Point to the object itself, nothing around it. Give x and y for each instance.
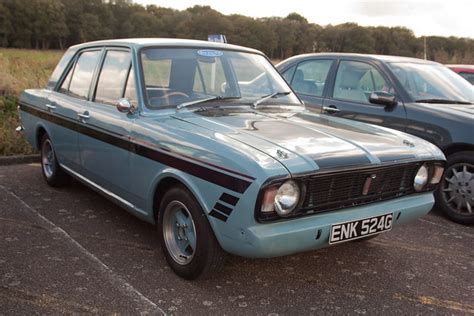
(207, 141)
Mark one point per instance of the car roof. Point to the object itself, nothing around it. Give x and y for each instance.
(382, 58)
(166, 42)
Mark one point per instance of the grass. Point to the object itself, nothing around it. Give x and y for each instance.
(20, 69)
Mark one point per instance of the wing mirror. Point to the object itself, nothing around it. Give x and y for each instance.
(382, 98)
(124, 106)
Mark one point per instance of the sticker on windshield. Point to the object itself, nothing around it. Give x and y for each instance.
(209, 53)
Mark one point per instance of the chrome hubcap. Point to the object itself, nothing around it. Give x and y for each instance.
(179, 232)
(47, 158)
(458, 188)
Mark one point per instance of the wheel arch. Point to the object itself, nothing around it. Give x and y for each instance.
(457, 147)
(171, 178)
(40, 131)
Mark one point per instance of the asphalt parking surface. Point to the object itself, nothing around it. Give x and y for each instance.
(70, 250)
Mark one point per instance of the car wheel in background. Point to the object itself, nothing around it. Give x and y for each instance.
(52, 172)
(455, 195)
(186, 237)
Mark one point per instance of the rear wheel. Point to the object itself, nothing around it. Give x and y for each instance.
(455, 195)
(186, 237)
(52, 172)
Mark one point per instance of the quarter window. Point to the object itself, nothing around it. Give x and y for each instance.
(310, 77)
(355, 81)
(83, 73)
(113, 76)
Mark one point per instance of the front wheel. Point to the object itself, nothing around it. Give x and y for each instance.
(455, 195)
(186, 237)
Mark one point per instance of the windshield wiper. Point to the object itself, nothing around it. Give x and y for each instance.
(271, 95)
(440, 101)
(211, 98)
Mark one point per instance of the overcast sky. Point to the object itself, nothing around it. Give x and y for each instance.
(424, 17)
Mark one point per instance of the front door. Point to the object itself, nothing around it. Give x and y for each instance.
(349, 96)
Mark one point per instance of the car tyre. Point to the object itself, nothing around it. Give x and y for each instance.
(455, 195)
(52, 171)
(186, 237)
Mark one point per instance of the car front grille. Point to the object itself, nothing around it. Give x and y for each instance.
(346, 189)
(336, 190)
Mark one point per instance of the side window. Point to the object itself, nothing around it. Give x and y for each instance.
(130, 91)
(65, 85)
(288, 74)
(355, 81)
(113, 77)
(310, 77)
(83, 73)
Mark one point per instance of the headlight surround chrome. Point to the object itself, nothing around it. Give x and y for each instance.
(287, 198)
(421, 178)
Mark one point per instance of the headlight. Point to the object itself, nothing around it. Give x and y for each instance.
(421, 178)
(287, 198)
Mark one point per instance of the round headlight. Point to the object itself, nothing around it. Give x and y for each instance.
(287, 198)
(421, 178)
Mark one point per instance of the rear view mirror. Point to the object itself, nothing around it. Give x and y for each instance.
(382, 98)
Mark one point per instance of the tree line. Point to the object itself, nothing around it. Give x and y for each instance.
(57, 24)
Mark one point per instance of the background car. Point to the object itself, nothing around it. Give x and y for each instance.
(420, 97)
(465, 71)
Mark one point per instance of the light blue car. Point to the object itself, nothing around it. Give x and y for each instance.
(209, 142)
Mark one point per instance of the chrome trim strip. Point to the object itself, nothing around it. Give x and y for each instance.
(98, 187)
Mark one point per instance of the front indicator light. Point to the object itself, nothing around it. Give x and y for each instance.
(437, 174)
(268, 200)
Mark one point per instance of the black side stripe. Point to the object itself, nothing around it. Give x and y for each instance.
(223, 209)
(168, 158)
(218, 215)
(229, 199)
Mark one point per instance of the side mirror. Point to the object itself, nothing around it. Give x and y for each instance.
(124, 106)
(382, 98)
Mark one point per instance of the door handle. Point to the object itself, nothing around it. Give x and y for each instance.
(50, 107)
(84, 115)
(331, 109)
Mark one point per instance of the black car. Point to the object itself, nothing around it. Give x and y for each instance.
(420, 97)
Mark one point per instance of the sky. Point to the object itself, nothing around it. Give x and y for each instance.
(424, 17)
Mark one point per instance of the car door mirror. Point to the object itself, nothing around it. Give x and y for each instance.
(382, 98)
(124, 105)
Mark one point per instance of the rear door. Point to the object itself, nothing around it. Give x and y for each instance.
(105, 150)
(308, 79)
(67, 101)
(349, 92)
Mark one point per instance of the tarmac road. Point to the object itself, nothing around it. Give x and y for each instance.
(70, 250)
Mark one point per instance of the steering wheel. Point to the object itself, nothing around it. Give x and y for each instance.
(175, 93)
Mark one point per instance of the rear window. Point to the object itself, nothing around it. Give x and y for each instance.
(83, 73)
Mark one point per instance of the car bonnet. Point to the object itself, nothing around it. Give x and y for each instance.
(305, 142)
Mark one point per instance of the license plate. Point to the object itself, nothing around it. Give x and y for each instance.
(361, 228)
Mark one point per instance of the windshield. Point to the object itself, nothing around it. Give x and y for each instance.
(176, 76)
(432, 82)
